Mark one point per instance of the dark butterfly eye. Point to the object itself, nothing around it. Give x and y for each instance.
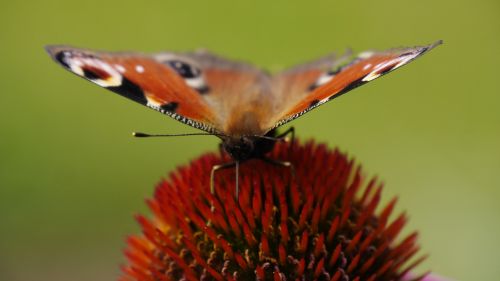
(184, 69)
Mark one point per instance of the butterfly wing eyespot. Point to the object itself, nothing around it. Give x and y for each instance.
(90, 67)
(192, 75)
(328, 85)
(94, 73)
(184, 69)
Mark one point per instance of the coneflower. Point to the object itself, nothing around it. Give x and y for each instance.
(322, 223)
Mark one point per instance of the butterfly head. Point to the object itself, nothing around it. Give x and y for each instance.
(242, 148)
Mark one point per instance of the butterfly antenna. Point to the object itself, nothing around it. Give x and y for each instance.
(144, 135)
(269, 138)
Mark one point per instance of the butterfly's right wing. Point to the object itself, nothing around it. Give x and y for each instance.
(304, 89)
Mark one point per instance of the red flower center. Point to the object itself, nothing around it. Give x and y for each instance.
(320, 224)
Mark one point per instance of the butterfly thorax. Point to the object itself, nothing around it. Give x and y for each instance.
(243, 148)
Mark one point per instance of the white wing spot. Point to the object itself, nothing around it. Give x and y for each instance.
(406, 59)
(139, 68)
(153, 104)
(120, 68)
(196, 83)
(367, 66)
(370, 76)
(323, 79)
(395, 63)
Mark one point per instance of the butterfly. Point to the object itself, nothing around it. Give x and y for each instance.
(235, 101)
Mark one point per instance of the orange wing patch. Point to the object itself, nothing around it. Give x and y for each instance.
(162, 87)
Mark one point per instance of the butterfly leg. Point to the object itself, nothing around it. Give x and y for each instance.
(289, 131)
(212, 180)
(283, 135)
(218, 168)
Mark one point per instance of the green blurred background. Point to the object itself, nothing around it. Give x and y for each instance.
(71, 176)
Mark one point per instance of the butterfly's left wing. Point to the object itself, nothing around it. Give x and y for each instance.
(171, 87)
(305, 88)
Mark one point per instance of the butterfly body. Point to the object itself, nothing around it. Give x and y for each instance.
(235, 101)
